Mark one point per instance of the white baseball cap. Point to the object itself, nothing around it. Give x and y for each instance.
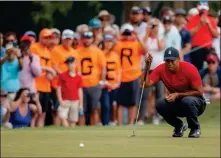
(126, 26)
(103, 13)
(193, 11)
(67, 34)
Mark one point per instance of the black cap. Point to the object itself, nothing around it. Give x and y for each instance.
(167, 19)
(69, 59)
(180, 11)
(171, 53)
(147, 10)
(136, 9)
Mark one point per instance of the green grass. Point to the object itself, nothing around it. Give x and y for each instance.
(151, 141)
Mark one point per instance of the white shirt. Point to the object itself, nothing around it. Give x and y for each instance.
(140, 29)
(153, 49)
(173, 38)
(216, 43)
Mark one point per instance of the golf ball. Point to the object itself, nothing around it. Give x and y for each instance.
(81, 145)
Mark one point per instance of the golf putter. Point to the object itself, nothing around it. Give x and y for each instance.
(146, 70)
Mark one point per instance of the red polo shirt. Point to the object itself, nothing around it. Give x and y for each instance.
(187, 77)
(203, 35)
(69, 86)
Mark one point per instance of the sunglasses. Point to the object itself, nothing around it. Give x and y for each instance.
(211, 62)
(3, 96)
(88, 34)
(9, 41)
(104, 19)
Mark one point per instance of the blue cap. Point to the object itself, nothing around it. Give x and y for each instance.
(95, 23)
(30, 33)
(171, 53)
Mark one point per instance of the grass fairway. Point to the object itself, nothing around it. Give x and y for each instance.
(151, 141)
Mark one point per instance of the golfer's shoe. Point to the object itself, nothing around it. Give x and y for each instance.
(178, 132)
(194, 133)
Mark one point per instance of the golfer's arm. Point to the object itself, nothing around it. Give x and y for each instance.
(196, 92)
(149, 82)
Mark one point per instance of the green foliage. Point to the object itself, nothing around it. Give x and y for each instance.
(45, 14)
(96, 4)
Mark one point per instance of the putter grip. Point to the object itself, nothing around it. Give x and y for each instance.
(146, 70)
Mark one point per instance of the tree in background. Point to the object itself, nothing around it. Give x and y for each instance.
(47, 9)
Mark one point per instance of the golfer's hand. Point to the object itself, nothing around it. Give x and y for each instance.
(172, 97)
(148, 58)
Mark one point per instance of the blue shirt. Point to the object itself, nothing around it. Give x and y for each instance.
(185, 36)
(10, 76)
(2, 52)
(19, 121)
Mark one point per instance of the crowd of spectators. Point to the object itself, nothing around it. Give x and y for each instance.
(92, 76)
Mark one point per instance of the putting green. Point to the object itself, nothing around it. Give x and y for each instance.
(151, 141)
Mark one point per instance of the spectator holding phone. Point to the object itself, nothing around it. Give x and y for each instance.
(5, 110)
(22, 110)
(70, 95)
(32, 35)
(203, 29)
(31, 65)
(10, 38)
(11, 65)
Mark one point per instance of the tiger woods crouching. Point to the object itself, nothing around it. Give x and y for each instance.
(185, 98)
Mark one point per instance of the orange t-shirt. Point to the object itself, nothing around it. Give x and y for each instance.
(90, 63)
(203, 35)
(42, 83)
(112, 67)
(130, 52)
(58, 57)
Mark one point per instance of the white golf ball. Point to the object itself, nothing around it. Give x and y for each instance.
(81, 145)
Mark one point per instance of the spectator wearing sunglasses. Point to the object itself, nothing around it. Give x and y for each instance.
(109, 92)
(107, 21)
(79, 31)
(5, 110)
(55, 40)
(92, 66)
(11, 65)
(43, 82)
(22, 110)
(180, 22)
(32, 35)
(147, 14)
(10, 38)
(136, 20)
(211, 77)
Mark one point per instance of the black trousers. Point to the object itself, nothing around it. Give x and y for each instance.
(198, 57)
(190, 107)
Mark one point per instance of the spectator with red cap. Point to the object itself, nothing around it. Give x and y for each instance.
(31, 65)
(211, 76)
(32, 35)
(203, 29)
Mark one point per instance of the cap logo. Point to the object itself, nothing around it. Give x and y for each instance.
(169, 52)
